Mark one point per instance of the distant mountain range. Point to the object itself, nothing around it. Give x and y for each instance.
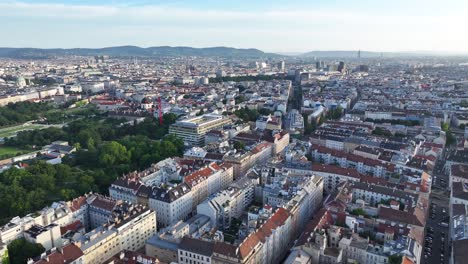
(226, 52)
(131, 51)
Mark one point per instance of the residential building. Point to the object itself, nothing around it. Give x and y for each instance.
(171, 204)
(193, 130)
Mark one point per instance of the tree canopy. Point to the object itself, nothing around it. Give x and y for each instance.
(17, 113)
(107, 150)
(20, 250)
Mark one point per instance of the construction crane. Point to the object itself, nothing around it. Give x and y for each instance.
(160, 111)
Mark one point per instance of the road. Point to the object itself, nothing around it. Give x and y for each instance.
(436, 247)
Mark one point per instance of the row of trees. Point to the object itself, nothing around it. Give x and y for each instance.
(395, 121)
(252, 115)
(31, 138)
(450, 138)
(335, 113)
(90, 133)
(21, 112)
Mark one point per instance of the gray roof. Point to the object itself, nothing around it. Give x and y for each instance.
(459, 190)
(163, 244)
(171, 195)
(196, 246)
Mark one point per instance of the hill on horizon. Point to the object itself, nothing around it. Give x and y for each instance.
(134, 51)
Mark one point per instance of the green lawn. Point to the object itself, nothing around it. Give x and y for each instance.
(8, 152)
(11, 131)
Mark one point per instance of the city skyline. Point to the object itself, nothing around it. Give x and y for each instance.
(302, 26)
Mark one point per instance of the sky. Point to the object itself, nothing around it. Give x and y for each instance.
(272, 26)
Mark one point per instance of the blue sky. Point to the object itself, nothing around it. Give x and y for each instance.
(276, 26)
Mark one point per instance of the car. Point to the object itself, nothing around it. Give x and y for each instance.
(443, 210)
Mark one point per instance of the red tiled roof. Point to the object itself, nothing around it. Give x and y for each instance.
(131, 257)
(260, 147)
(77, 203)
(321, 219)
(248, 245)
(353, 157)
(336, 170)
(194, 178)
(276, 220)
(67, 254)
(75, 226)
(407, 260)
(104, 203)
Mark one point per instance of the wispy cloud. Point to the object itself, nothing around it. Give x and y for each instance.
(292, 28)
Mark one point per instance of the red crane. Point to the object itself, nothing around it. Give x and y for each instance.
(160, 111)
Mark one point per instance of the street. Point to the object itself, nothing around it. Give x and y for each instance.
(436, 242)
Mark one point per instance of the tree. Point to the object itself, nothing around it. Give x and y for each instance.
(309, 127)
(20, 251)
(395, 259)
(239, 145)
(445, 127)
(359, 211)
(335, 113)
(201, 112)
(240, 99)
(247, 114)
(381, 132)
(113, 153)
(450, 138)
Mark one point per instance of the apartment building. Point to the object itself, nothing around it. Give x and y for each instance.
(171, 204)
(458, 173)
(363, 165)
(458, 221)
(373, 194)
(243, 161)
(193, 130)
(100, 209)
(70, 254)
(225, 205)
(48, 236)
(334, 175)
(194, 251)
(209, 180)
(128, 229)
